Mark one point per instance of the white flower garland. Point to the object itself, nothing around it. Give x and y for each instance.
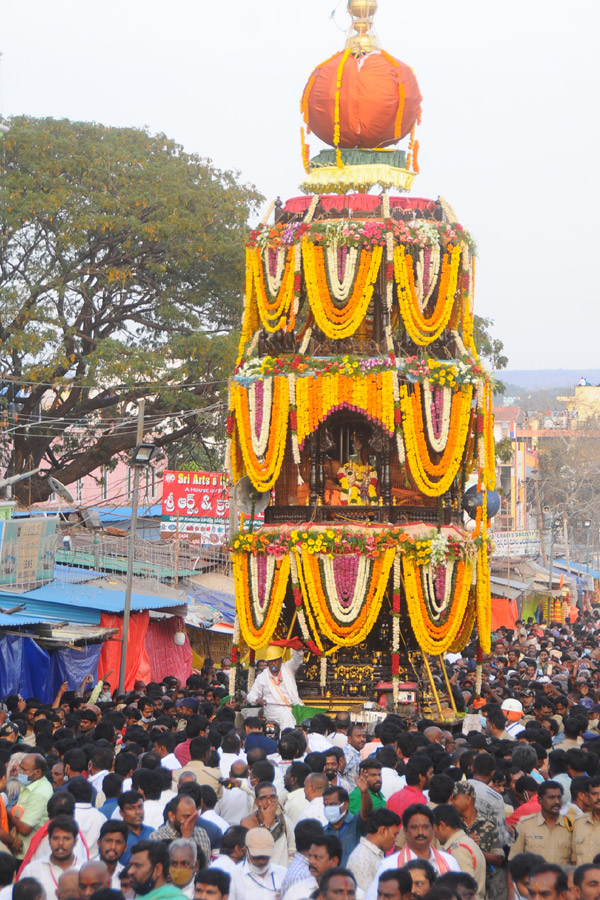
(292, 398)
(311, 209)
(385, 205)
(389, 286)
(260, 443)
(274, 281)
(341, 289)
(399, 435)
(258, 613)
(480, 438)
(305, 342)
(397, 575)
(323, 672)
(437, 444)
(438, 609)
(348, 615)
(423, 296)
(236, 641)
(301, 616)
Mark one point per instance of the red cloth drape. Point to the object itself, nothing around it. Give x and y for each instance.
(504, 613)
(165, 657)
(357, 202)
(138, 666)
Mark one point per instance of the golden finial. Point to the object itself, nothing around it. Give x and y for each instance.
(363, 39)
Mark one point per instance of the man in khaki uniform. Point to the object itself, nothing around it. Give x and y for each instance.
(448, 829)
(546, 833)
(586, 830)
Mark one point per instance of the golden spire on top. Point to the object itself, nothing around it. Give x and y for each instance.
(363, 39)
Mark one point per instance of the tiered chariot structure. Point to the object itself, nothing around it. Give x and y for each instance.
(358, 404)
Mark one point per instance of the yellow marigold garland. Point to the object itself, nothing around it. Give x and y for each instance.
(334, 322)
(314, 596)
(273, 312)
(263, 473)
(436, 639)
(250, 320)
(423, 471)
(336, 108)
(318, 396)
(401, 96)
(464, 635)
(258, 635)
(488, 437)
(421, 330)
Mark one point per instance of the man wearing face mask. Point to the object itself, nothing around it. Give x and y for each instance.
(348, 827)
(148, 868)
(33, 798)
(183, 856)
(261, 878)
(275, 688)
(230, 859)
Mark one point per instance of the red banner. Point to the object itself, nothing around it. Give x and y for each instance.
(199, 494)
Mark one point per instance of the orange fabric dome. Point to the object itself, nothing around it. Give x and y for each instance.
(370, 96)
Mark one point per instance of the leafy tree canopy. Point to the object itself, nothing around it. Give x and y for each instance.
(121, 262)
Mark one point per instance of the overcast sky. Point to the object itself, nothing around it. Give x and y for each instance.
(510, 134)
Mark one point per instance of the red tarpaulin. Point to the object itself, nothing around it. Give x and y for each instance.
(504, 613)
(357, 202)
(138, 667)
(165, 657)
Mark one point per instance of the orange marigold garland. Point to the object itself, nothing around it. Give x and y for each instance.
(276, 310)
(320, 395)
(260, 586)
(434, 479)
(436, 638)
(423, 330)
(336, 108)
(263, 472)
(339, 322)
(344, 623)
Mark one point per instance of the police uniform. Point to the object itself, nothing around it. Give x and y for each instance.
(469, 857)
(554, 843)
(586, 839)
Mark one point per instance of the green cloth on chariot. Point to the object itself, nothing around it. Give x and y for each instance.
(301, 712)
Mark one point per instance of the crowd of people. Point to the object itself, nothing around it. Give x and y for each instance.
(170, 790)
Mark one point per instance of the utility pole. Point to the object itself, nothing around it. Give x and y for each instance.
(540, 520)
(566, 537)
(131, 550)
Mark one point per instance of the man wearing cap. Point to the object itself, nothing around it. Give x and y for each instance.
(513, 710)
(261, 878)
(275, 688)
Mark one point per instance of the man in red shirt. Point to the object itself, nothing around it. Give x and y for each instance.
(419, 771)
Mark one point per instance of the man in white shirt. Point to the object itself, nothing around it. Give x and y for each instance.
(62, 832)
(275, 687)
(295, 801)
(89, 819)
(207, 810)
(261, 878)
(314, 787)
(342, 722)
(417, 821)
(100, 764)
(235, 803)
(230, 752)
(112, 844)
(230, 859)
(382, 829)
(164, 745)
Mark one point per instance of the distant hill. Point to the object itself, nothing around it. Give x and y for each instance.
(546, 379)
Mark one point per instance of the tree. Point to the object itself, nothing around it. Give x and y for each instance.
(488, 347)
(121, 267)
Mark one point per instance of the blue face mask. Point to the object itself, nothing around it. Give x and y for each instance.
(483, 721)
(146, 718)
(23, 779)
(333, 814)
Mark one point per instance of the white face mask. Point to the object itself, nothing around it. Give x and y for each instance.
(333, 814)
(258, 870)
